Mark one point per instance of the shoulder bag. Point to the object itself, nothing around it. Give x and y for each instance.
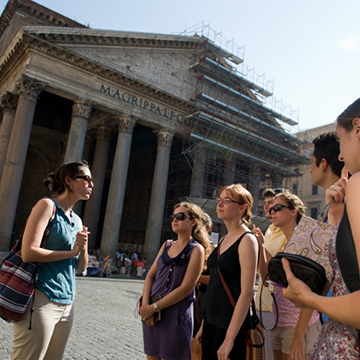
(18, 281)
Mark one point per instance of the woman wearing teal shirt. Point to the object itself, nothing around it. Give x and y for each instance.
(64, 254)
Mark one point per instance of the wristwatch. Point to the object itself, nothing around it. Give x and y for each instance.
(156, 308)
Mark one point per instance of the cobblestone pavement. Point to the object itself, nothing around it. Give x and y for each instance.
(104, 327)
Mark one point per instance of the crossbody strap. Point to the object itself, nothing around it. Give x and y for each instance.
(227, 290)
(43, 242)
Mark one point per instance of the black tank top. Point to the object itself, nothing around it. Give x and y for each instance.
(216, 307)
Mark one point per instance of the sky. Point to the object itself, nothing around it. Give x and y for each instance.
(310, 49)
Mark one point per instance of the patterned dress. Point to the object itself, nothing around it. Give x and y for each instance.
(336, 341)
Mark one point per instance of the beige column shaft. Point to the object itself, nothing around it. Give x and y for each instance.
(230, 171)
(16, 155)
(81, 111)
(158, 195)
(254, 185)
(98, 172)
(115, 202)
(198, 173)
(8, 105)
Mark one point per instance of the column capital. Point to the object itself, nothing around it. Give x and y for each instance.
(126, 123)
(165, 137)
(103, 133)
(29, 88)
(82, 108)
(8, 102)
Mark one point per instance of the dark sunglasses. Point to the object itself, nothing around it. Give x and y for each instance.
(279, 207)
(86, 178)
(179, 216)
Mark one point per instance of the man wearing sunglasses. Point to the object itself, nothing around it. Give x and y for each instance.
(273, 241)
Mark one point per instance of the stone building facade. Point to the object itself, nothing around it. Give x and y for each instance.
(123, 101)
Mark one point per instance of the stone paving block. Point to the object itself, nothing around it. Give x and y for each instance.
(105, 327)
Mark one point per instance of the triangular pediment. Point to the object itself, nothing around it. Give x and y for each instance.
(158, 60)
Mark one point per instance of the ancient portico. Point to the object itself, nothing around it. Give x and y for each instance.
(129, 103)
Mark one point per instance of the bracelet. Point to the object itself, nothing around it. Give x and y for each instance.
(156, 308)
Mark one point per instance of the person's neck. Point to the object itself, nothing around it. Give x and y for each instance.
(289, 229)
(65, 202)
(330, 180)
(183, 238)
(234, 227)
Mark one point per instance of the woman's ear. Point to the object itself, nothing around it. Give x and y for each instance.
(68, 181)
(356, 125)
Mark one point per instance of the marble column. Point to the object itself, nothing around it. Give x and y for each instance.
(98, 172)
(8, 105)
(158, 195)
(81, 111)
(115, 202)
(198, 173)
(29, 90)
(254, 185)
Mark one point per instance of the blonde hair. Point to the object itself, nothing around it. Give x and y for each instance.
(243, 196)
(294, 202)
(199, 230)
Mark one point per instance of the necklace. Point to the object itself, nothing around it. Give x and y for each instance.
(71, 219)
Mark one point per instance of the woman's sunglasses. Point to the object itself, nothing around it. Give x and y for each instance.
(86, 178)
(279, 207)
(179, 216)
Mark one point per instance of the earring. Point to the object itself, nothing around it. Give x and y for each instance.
(70, 187)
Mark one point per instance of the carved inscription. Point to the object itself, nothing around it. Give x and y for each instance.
(143, 104)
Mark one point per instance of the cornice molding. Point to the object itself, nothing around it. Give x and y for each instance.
(126, 40)
(38, 11)
(27, 42)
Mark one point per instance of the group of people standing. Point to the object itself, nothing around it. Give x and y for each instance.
(168, 294)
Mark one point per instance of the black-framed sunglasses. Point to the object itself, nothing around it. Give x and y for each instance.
(226, 200)
(279, 207)
(86, 178)
(179, 216)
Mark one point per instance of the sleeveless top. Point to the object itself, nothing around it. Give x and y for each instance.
(57, 278)
(216, 307)
(170, 271)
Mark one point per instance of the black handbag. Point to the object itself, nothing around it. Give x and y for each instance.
(307, 270)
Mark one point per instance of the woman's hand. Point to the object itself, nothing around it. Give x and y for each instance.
(81, 241)
(225, 349)
(337, 192)
(147, 314)
(198, 336)
(297, 347)
(259, 235)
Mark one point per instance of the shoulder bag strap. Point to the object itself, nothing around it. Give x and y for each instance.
(228, 290)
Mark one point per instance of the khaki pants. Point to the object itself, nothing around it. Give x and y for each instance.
(51, 326)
